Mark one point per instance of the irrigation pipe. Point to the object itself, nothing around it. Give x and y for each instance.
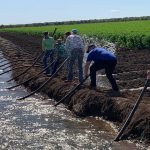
(14, 69)
(16, 61)
(118, 137)
(13, 62)
(34, 77)
(27, 68)
(32, 64)
(8, 67)
(71, 92)
(44, 82)
(3, 60)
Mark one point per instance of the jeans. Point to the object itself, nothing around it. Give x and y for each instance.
(56, 64)
(109, 66)
(75, 54)
(47, 54)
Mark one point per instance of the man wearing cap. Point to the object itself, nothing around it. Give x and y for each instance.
(103, 59)
(75, 47)
(61, 55)
(48, 47)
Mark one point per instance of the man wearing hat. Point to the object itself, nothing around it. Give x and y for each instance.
(48, 47)
(103, 59)
(75, 47)
(61, 55)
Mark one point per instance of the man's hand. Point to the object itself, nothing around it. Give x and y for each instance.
(148, 74)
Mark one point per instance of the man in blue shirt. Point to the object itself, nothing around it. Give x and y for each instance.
(103, 59)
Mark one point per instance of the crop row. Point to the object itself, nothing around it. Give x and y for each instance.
(129, 34)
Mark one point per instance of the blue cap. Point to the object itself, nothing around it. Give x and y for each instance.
(74, 31)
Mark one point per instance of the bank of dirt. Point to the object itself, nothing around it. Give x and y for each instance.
(130, 73)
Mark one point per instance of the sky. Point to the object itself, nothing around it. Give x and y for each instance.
(40, 11)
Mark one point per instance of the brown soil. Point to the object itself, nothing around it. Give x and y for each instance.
(130, 73)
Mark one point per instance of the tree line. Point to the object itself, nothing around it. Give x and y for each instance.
(78, 22)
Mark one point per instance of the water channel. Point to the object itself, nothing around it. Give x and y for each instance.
(34, 124)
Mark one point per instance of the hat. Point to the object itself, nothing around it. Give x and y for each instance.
(74, 31)
(90, 46)
(67, 33)
(45, 33)
(59, 40)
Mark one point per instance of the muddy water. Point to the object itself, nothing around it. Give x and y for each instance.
(35, 124)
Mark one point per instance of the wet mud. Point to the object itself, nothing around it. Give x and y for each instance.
(130, 74)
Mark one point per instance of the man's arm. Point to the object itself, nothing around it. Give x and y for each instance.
(53, 42)
(86, 68)
(67, 43)
(43, 47)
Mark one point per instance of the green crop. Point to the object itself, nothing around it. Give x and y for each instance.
(128, 34)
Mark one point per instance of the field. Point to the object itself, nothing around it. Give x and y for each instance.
(130, 74)
(127, 34)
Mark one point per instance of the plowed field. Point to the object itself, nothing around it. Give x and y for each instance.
(130, 74)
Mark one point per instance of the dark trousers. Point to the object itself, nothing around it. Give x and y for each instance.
(56, 64)
(109, 66)
(47, 55)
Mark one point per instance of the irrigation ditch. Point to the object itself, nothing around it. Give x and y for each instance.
(130, 74)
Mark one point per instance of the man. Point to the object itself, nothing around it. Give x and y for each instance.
(75, 49)
(66, 34)
(103, 59)
(61, 55)
(48, 47)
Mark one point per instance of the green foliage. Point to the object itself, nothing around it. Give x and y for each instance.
(127, 34)
(146, 41)
(122, 41)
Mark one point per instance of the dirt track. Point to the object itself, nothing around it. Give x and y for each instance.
(130, 73)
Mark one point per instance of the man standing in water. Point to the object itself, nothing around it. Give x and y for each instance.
(75, 48)
(48, 47)
(103, 59)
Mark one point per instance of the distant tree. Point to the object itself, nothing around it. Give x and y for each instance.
(2, 26)
(80, 22)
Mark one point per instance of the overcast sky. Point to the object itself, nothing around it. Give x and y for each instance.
(38, 11)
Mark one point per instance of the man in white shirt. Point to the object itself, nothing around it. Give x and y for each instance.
(75, 47)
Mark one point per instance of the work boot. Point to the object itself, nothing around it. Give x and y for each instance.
(68, 81)
(49, 75)
(115, 93)
(92, 87)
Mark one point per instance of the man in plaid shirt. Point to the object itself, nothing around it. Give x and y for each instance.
(75, 49)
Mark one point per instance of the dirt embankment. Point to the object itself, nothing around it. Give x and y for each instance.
(130, 73)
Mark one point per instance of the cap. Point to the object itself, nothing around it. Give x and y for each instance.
(59, 40)
(74, 31)
(90, 46)
(67, 33)
(45, 33)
